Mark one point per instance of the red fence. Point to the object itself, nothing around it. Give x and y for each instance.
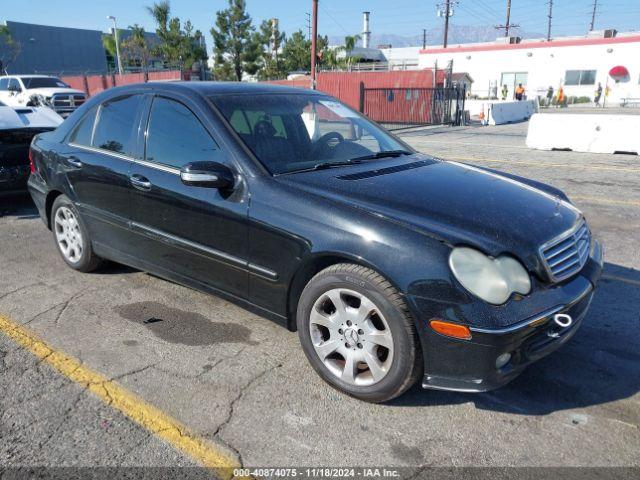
(346, 85)
(93, 84)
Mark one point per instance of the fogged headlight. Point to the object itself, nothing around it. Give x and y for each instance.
(491, 279)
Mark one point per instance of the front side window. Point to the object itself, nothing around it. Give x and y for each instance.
(14, 85)
(176, 137)
(115, 127)
(4, 84)
(295, 132)
(580, 77)
(84, 130)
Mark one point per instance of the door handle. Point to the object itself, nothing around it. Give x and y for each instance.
(73, 162)
(140, 182)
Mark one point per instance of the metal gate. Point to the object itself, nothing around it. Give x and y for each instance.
(397, 108)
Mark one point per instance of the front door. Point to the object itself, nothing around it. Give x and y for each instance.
(189, 233)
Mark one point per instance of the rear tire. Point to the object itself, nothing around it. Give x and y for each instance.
(358, 334)
(71, 236)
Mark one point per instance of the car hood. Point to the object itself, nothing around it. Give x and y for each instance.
(28, 117)
(47, 92)
(456, 203)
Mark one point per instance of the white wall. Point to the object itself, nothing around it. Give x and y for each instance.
(545, 66)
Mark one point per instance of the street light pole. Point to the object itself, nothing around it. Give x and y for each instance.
(314, 44)
(115, 34)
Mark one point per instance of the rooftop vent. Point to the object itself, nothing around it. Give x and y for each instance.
(508, 40)
(608, 33)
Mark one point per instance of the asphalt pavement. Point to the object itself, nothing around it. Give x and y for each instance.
(242, 383)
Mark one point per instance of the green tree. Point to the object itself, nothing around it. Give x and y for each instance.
(109, 44)
(178, 46)
(296, 53)
(9, 48)
(235, 46)
(271, 40)
(135, 49)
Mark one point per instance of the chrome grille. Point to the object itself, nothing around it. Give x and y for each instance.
(567, 254)
(67, 101)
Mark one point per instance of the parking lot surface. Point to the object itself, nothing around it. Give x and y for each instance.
(243, 384)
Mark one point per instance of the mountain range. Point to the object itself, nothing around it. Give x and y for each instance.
(457, 34)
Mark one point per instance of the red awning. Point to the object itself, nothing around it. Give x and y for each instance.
(619, 72)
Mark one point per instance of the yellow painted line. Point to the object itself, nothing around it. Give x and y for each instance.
(156, 421)
(477, 160)
(606, 201)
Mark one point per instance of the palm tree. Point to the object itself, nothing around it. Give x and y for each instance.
(160, 11)
(349, 44)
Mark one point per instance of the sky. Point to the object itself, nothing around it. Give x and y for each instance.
(336, 17)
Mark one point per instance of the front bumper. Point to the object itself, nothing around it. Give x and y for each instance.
(470, 365)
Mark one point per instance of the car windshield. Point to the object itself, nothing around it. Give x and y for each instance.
(297, 132)
(43, 82)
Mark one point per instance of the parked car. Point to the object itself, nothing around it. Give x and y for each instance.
(18, 126)
(392, 265)
(18, 90)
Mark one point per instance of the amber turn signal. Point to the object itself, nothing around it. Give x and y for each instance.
(451, 329)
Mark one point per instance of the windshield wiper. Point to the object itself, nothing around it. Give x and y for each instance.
(383, 154)
(327, 165)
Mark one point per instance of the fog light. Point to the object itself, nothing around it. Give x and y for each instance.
(502, 360)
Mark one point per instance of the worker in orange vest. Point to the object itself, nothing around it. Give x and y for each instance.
(519, 92)
(560, 102)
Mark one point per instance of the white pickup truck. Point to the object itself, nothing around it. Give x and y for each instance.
(18, 90)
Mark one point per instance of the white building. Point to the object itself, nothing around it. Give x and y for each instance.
(576, 63)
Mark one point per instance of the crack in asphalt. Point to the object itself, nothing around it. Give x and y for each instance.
(6, 294)
(241, 392)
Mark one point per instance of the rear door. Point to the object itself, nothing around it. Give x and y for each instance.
(189, 232)
(100, 151)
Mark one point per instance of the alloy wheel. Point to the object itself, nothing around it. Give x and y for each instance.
(351, 337)
(68, 234)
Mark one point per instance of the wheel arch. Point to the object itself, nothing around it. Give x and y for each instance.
(312, 266)
(51, 197)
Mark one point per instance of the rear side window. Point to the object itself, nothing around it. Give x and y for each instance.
(4, 83)
(82, 133)
(116, 124)
(176, 137)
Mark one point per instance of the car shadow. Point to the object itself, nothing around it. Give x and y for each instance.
(599, 365)
(18, 205)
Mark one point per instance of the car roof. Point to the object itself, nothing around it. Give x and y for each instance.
(220, 88)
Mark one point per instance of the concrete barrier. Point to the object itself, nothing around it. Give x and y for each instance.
(596, 133)
(497, 112)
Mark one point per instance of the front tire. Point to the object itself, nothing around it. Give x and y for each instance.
(357, 333)
(71, 236)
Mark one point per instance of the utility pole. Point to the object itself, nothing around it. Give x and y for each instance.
(447, 10)
(550, 17)
(424, 38)
(314, 44)
(308, 24)
(507, 26)
(593, 15)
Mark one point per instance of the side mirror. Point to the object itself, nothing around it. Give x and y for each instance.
(207, 174)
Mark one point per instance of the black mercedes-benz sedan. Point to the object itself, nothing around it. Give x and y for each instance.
(392, 265)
